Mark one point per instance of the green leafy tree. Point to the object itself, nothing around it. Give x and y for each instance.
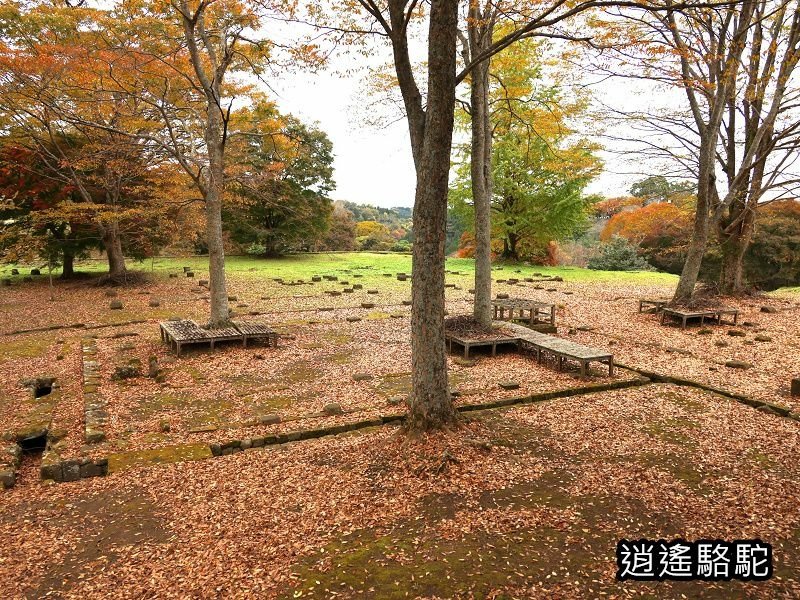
(281, 185)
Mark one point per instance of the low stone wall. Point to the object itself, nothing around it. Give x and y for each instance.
(55, 469)
(95, 413)
(10, 458)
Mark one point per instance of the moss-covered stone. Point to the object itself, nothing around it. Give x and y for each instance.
(170, 454)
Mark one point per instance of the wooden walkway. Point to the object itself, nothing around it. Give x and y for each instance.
(538, 312)
(540, 343)
(186, 332)
(561, 349)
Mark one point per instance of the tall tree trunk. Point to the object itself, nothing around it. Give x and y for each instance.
(218, 291)
(510, 247)
(731, 276)
(480, 37)
(431, 405)
(735, 233)
(113, 247)
(68, 265)
(706, 191)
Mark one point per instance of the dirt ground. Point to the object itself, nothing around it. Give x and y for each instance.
(521, 502)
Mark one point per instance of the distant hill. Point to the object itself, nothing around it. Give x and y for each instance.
(394, 218)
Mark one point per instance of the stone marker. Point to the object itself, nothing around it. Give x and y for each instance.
(362, 377)
(738, 364)
(112, 293)
(15, 271)
(353, 319)
(509, 385)
(502, 296)
(203, 282)
(154, 302)
(190, 274)
(769, 309)
(173, 275)
(270, 419)
(406, 302)
(35, 272)
(115, 305)
(372, 291)
(737, 333)
(187, 269)
(332, 409)
(367, 305)
(796, 386)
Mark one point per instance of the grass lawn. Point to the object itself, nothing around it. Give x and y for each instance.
(304, 266)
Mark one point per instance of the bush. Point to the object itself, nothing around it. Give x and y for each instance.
(256, 249)
(618, 255)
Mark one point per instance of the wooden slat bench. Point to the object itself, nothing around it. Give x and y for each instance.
(185, 332)
(714, 314)
(538, 312)
(655, 305)
(256, 331)
(467, 343)
(565, 350)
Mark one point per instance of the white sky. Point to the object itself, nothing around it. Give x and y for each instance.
(373, 165)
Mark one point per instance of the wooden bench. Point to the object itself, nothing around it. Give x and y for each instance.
(538, 312)
(565, 350)
(256, 331)
(541, 344)
(186, 332)
(468, 343)
(654, 305)
(714, 314)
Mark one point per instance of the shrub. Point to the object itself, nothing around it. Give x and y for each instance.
(618, 254)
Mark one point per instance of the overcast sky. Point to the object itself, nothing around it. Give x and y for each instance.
(373, 165)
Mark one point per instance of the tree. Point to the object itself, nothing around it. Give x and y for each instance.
(281, 177)
(341, 234)
(735, 67)
(170, 74)
(538, 168)
(617, 254)
(658, 188)
(660, 231)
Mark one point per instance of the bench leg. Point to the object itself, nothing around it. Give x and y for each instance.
(610, 367)
(466, 351)
(494, 349)
(583, 368)
(177, 348)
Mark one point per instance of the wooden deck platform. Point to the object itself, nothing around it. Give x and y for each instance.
(468, 343)
(538, 312)
(713, 314)
(562, 350)
(542, 344)
(186, 332)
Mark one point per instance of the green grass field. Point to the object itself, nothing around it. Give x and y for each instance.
(303, 266)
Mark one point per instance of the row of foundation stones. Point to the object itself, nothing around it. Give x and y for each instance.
(94, 404)
(74, 469)
(53, 468)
